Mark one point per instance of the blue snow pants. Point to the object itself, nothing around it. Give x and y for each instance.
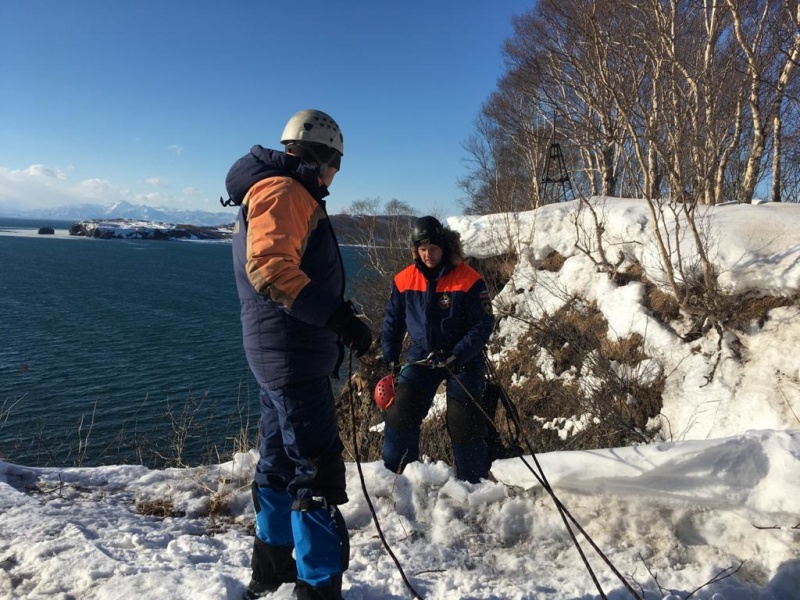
(466, 424)
(301, 478)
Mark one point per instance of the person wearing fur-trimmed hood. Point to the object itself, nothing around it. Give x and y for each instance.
(444, 306)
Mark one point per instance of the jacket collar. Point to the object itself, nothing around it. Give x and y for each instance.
(442, 269)
(279, 163)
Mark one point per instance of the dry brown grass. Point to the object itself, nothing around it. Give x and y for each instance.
(744, 312)
(570, 334)
(357, 394)
(162, 508)
(662, 305)
(617, 408)
(552, 262)
(496, 270)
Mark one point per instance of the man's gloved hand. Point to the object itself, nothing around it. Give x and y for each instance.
(448, 361)
(391, 367)
(353, 332)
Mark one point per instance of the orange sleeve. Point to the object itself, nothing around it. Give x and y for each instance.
(280, 215)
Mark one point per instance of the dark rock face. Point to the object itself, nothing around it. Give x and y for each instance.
(46, 231)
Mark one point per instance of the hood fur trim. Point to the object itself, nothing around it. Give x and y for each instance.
(453, 249)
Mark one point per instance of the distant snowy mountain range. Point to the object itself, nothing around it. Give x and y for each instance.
(126, 210)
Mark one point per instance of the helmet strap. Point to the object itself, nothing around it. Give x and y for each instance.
(306, 152)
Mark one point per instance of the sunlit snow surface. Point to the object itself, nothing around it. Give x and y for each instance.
(720, 493)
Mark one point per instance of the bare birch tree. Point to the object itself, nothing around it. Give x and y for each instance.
(760, 30)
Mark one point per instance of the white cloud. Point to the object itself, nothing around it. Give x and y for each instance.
(176, 149)
(152, 198)
(42, 186)
(97, 189)
(41, 171)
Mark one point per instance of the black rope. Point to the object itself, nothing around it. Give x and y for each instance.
(545, 485)
(364, 483)
(513, 414)
(542, 479)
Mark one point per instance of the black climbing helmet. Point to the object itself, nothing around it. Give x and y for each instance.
(427, 230)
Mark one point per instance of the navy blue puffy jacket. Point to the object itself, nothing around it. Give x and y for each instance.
(451, 313)
(288, 268)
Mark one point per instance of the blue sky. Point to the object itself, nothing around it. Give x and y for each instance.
(151, 101)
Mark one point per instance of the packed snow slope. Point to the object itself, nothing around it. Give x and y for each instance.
(715, 387)
(711, 511)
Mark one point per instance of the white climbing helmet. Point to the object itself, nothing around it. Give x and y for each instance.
(313, 126)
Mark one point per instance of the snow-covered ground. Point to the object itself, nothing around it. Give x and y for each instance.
(718, 499)
(715, 388)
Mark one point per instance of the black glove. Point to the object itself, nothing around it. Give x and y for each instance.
(352, 330)
(443, 359)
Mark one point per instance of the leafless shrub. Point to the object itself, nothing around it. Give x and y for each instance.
(6, 408)
(360, 439)
(741, 312)
(576, 388)
(590, 226)
(723, 574)
(194, 431)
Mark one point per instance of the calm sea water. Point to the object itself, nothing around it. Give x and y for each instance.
(110, 348)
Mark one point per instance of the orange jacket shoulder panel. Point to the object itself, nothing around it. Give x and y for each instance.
(460, 279)
(280, 214)
(410, 280)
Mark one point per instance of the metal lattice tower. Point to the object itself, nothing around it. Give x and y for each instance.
(555, 174)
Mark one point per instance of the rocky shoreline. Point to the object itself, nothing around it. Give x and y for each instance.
(358, 230)
(106, 229)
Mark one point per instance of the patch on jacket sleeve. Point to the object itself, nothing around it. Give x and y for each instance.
(486, 302)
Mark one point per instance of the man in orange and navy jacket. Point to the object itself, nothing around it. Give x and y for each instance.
(445, 307)
(295, 322)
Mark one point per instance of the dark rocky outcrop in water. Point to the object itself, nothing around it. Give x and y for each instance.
(46, 231)
(144, 230)
(351, 230)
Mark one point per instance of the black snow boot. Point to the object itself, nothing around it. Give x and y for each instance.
(305, 591)
(272, 567)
